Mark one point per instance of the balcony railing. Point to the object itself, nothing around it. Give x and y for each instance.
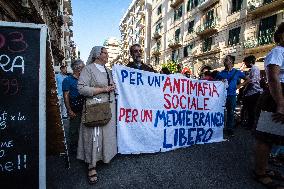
(209, 27)
(156, 52)
(259, 41)
(212, 50)
(157, 35)
(203, 4)
(132, 14)
(175, 43)
(175, 3)
(260, 7)
(130, 25)
(70, 23)
(141, 25)
(142, 12)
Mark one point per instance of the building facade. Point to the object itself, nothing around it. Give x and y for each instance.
(56, 14)
(200, 33)
(113, 48)
(135, 27)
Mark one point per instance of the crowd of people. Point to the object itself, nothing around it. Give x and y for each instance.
(93, 144)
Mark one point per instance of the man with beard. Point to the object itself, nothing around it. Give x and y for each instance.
(135, 52)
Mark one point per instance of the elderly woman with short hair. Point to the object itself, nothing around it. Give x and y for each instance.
(97, 143)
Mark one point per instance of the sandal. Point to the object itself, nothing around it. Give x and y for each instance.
(266, 180)
(274, 174)
(92, 177)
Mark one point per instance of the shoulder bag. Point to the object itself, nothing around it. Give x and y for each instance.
(97, 114)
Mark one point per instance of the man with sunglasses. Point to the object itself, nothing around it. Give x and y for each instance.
(136, 52)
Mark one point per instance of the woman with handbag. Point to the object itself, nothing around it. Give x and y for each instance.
(273, 102)
(97, 138)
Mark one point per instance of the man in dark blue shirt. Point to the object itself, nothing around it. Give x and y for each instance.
(74, 103)
(232, 75)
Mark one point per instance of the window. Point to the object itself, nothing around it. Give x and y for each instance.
(158, 44)
(190, 26)
(207, 44)
(175, 55)
(209, 17)
(159, 10)
(157, 60)
(177, 34)
(191, 4)
(236, 5)
(158, 27)
(187, 49)
(266, 30)
(234, 36)
(178, 13)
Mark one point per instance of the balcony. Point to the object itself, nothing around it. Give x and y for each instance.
(67, 5)
(70, 23)
(175, 43)
(123, 25)
(156, 52)
(71, 33)
(256, 8)
(141, 12)
(66, 33)
(208, 28)
(261, 43)
(132, 14)
(213, 50)
(141, 25)
(175, 3)
(203, 4)
(157, 35)
(67, 47)
(66, 19)
(130, 26)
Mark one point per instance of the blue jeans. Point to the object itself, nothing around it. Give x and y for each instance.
(231, 102)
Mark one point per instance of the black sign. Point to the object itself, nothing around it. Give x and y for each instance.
(19, 107)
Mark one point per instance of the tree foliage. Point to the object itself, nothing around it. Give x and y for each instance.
(171, 65)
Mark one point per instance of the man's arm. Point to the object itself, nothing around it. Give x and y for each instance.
(245, 78)
(276, 90)
(67, 104)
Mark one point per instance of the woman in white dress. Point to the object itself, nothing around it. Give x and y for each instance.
(97, 143)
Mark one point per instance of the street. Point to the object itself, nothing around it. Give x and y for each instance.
(225, 165)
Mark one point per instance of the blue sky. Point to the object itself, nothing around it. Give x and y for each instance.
(96, 20)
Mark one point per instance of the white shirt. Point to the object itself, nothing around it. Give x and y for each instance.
(100, 67)
(254, 76)
(276, 57)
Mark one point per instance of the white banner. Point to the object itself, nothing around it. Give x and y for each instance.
(157, 112)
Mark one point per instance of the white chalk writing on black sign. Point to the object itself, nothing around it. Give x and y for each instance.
(6, 65)
(7, 145)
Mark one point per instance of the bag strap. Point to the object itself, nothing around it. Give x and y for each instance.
(230, 79)
(108, 82)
